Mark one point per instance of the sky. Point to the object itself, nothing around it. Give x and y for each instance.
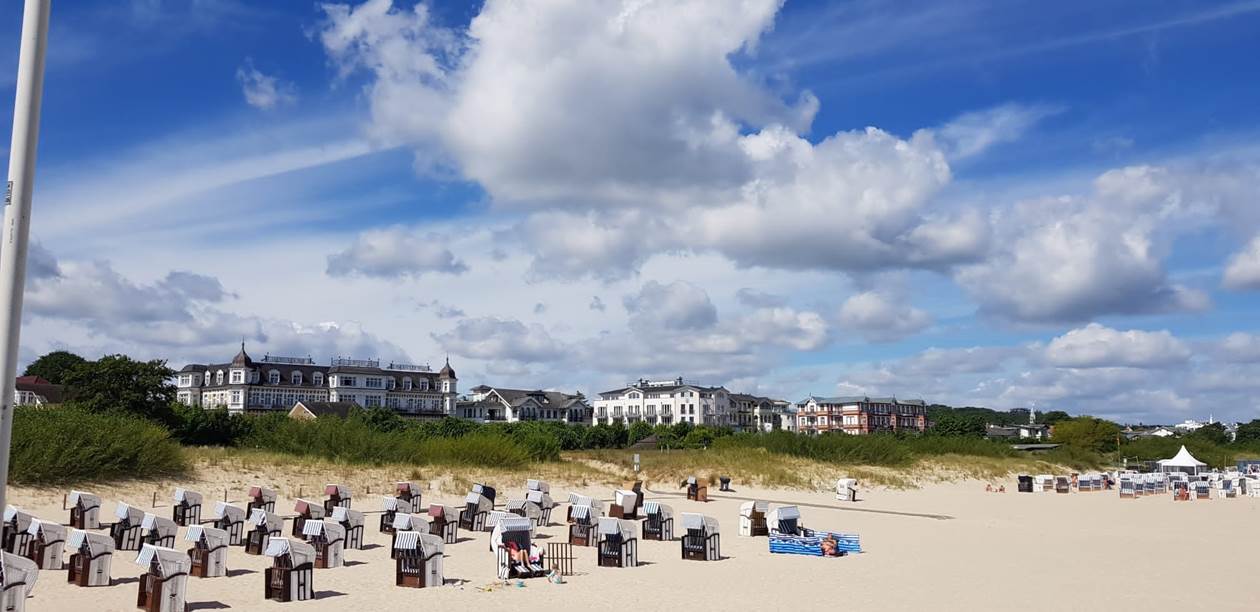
(1005, 204)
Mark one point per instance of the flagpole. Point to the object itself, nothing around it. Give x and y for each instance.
(17, 212)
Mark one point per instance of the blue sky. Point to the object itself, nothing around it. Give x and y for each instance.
(996, 203)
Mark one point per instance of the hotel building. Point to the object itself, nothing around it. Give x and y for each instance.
(860, 415)
(497, 404)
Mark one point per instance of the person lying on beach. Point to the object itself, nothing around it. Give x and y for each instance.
(829, 547)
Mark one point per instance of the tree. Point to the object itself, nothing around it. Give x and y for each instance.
(55, 366)
(379, 419)
(638, 431)
(120, 383)
(959, 424)
(1212, 432)
(1052, 417)
(1087, 433)
(1248, 432)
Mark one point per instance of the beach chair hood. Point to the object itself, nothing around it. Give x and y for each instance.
(341, 491)
(20, 570)
(484, 490)
(212, 537)
(309, 508)
(405, 522)
(21, 520)
(161, 525)
(389, 504)
(262, 494)
(96, 542)
(416, 540)
(657, 508)
(224, 510)
(699, 521)
(354, 518)
(50, 531)
(270, 520)
(297, 551)
(129, 513)
(192, 498)
(619, 527)
(510, 524)
(80, 498)
(747, 509)
(783, 513)
(405, 487)
(170, 562)
(626, 499)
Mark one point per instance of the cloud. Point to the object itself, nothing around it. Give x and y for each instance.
(1243, 270)
(443, 311)
(1097, 346)
(677, 306)
(493, 338)
(882, 318)
(597, 304)
(803, 331)
(973, 133)
(40, 263)
(1239, 347)
(394, 253)
(262, 91)
(759, 299)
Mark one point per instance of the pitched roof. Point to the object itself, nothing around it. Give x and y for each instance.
(319, 409)
(53, 394)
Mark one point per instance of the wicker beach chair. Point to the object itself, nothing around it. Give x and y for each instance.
(231, 519)
(338, 495)
(541, 500)
(701, 540)
(263, 526)
(306, 511)
(85, 510)
(696, 491)
(291, 575)
(159, 530)
(404, 522)
(1202, 490)
(1128, 488)
(523, 507)
(128, 532)
(752, 518)
(418, 559)
(329, 540)
(163, 586)
(408, 496)
(582, 500)
(17, 578)
(48, 540)
(786, 520)
(209, 551)
(625, 504)
(17, 527)
(187, 508)
(617, 545)
(1062, 484)
(477, 506)
(658, 521)
(582, 521)
(352, 522)
(90, 561)
(511, 534)
(262, 498)
(846, 489)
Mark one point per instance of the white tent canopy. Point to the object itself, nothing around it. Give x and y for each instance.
(1183, 462)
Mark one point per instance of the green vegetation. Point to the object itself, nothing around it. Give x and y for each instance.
(63, 445)
(117, 383)
(1088, 433)
(55, 366)
(874, 450)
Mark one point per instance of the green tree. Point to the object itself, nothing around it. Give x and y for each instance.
(1212, 432)
(55, 366)
(959, 424)
(1248, 432)
(120, 383)
(1052, 417)
(380, 419)
(638, 431)
(1088, 433)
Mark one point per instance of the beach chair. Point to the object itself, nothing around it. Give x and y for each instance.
(846, 489)
(290, 577)
(582, 500)
(513, 533)
(625, 505)
(404, 522)
(477, 507)
(329, 540)
(523, 507)
(418, 560)
(17, 578)
(158, 530)
(1045, 483)
(444, 522)
(1025, 484)
(389, 507)
(17, 527)
(128, 532)
(338, 495)
(1127, 488)
(658, 522)
(543, 503)
(85, 510)
(209, 551)
(582, 525)
(637, 488)
(701, 540)
(408, 494)
(48, 539)
(1227, 489)
(187, 508)
(306, 511)
(752, 518)
(163, 587)
(89, 563)
(263, 526)
(1062, 484)
(1202, 490)
(262, 498)
(786, 520)
(352, 522)
(617, 546)
(695, 490)
(231, 519)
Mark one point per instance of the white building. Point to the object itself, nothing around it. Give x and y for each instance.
(277, 383)
(664, 403)
(498, 404)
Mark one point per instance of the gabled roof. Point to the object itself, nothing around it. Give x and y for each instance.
(319, 409)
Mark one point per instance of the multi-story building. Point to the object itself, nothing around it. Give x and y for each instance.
(277, 383)
(860, 415)
(498, 404)
(753, 413)
(664, 403)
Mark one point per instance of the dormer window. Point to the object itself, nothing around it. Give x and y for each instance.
(407, 384)
(318, 379)
(207, 383)
(424, 384)
(389, 383)
(273, 377)
(295, 378)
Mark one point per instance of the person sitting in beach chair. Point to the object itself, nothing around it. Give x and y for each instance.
(17, 526)
(329, 540)
(262, 498)
(85, 509)
(701, 540)
(658, 522)
(209, 551)
(306, 511)
(517, 556)
(263, 526)
(128, 532)
(90, 561)
(47, 541)
(163, 586)
(231, 519)
(290, 577)
(617, 546)
(338, 495)
(786, 520)
(159, 530)
(418, 558)
(17, 577)
(477, 506)
(752, 518)
(187, 508)
(444, 522)
(352, 522)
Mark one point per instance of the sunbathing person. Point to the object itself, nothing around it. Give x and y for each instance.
(829, 548)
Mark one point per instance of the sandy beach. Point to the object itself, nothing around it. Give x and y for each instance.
(944, 546)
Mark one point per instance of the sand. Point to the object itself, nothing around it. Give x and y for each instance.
(942, 547)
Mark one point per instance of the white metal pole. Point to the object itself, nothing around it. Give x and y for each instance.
(17, 211)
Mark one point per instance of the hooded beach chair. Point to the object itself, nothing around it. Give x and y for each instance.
(752, 518)
(523, 507)
(1227, 488)
(85, 510)
(17, 526)
(582, 500)
(329, 539)
(477, 507)
(159, 530)
(846, 489)
(352, 522)
(408, 495)
(510, 535)
(338, 495)
(90, 559)
(658, 521)
(1127, 488)
(231, 519)
(128, 532)
(541, 500)
(209, 551)
(1045, 483)
(696, 491)
(786, 520)
(444, 522)
(625, 504)
(48, 539)
(306, 511)
(187, 508)
(701, 540)
(290, 577)
(1202, 490)
(617, 545)
(17, 578)
(405, 522)
(418, 559)
(164, 586)
(389, 507)
(582, 521)
(262, 498)
(263, 526)
(1062, 484)
(1025, 484)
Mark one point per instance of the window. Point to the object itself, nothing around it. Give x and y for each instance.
(424, 384)
(273, 377)
(346, 381)
(407, 383)
(238, 377)
(218, 378)
(295, 378)
(236, 397)
(389, 383)
(207, 378)
(318, 379)
(372, 382)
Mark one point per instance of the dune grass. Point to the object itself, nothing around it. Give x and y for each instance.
(67, 445)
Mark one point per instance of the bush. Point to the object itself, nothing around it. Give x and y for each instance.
(55, 445)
